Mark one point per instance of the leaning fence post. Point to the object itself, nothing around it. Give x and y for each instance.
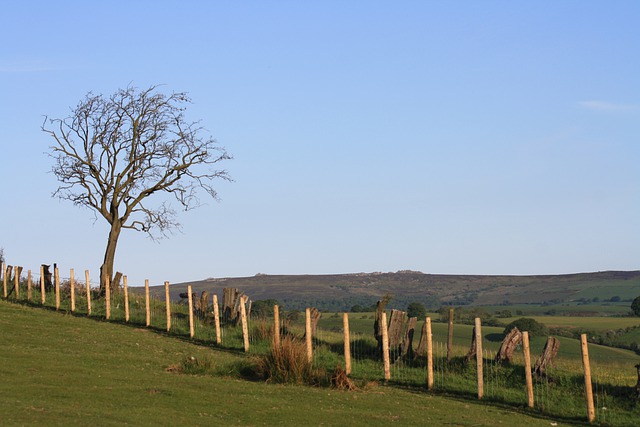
(347, 343)
(88, 285)
(72, 290)
(243, 319)
(385, 346)
(190, 312)
(168, 303)
(216, 318)
(591, 413)
(147, 302)
(450, 336)
(107, 297)
(307, 334)
(479, 358)
(42, 290)
(4, 280)
(527, 367)
(57, 279)
(29, 285)
(429, 355)
(276, 326)
(125, 288)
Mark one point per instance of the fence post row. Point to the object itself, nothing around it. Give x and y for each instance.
(29, 285)
(42, 290)
(385, 346)
(243, 319)
(429, 355)
(4, 280)
(527, 368)
(307, 326)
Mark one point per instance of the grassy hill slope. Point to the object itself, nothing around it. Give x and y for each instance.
(59, 369)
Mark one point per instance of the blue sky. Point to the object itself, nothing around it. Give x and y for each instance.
(462, 137)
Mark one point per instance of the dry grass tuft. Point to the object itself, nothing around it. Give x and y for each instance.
(340, 380)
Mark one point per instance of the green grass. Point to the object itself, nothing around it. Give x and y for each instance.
(59, 369)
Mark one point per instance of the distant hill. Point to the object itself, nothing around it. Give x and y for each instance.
(341, 291)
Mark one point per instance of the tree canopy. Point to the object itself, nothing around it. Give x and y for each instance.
(112, 153)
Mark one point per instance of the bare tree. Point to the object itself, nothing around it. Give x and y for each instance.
(111, 154)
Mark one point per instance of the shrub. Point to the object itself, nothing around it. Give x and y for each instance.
(289, 364)
(532, 326)
(416, 309)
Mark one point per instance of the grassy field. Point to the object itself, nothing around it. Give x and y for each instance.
(60, 369)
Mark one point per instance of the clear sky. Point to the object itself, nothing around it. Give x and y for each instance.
(462, 137)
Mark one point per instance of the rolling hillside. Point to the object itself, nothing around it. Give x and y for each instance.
(345, 290)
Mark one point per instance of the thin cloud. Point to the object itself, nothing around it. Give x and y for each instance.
(607, 106)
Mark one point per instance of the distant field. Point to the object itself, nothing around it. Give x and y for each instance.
(592, 323)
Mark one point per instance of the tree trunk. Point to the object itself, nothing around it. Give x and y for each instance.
(511, 341)
(546, 358)
(106, 270)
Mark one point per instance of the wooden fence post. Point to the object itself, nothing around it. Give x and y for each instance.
(216, 319)
(72, 289)
(527, 367)
(307, 335)
(4, 280)
(479, 358)
(42, 290)
(191, 332)
(276, 326)
(347, 343)
(57, 280)
(16, 282)
(168, 303)
(588, 389)
(125, 288)
(385, 346)
(29, 285)
(450, 336)
(243, 319)
(107, 296)
(147, 303)
(88, 285)
(429, 355)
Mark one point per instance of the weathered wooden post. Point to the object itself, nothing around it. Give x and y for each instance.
(307, 335)
(276, 326)
(125, 290)
(16, 283)
(107, 296)
(42, 290)
(450, 336)
(4, 280)
(57, 279)
(29, 285)
(72, 290)
(191, 332)
(527, 367)
(588, 389)
(385, 346)
(147, 303)
(347, 343)
(429, 355)
(88, 285)
(168, 304)
(216, 318)
(479, 358)
(243, 319)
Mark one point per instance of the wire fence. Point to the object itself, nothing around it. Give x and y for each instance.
(559, 393)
